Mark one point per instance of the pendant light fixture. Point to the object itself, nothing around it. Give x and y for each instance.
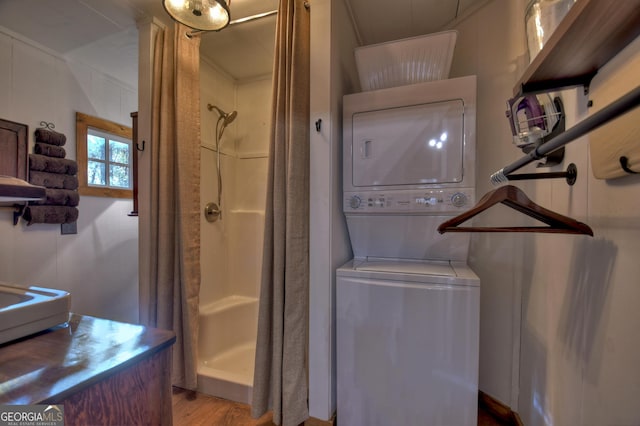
(201, 15)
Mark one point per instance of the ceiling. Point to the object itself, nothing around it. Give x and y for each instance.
(105, 30)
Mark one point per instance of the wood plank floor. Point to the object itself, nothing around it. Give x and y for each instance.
(196, 409)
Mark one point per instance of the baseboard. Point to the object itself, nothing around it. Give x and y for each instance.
(498, 410)
(312, 421)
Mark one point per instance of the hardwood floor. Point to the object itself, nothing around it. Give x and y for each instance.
(196, 409)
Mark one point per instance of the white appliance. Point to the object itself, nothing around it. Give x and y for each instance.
(407, 305)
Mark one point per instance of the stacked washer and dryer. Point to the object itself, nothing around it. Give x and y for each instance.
(407, 305)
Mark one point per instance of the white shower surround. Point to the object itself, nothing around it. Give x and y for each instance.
(229, 317)
(231, 249)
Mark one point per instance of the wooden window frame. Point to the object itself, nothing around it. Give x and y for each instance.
(83, 122)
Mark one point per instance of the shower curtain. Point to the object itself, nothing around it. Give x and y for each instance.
(280, 379)
(175, 198)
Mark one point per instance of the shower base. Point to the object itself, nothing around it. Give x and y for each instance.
(229, 375)
(227, 347)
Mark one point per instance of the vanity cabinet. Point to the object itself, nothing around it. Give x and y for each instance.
(103, 372)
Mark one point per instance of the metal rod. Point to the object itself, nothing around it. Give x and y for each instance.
(570, 175)
(527, 176)
(236, 22)
(253, 17)
(608, 113)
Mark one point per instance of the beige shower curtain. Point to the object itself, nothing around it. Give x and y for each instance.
(175, 198)
(280, 379)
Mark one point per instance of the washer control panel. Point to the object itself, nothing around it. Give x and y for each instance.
(410, 201)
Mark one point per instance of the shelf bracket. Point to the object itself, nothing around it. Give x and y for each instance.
(18, 212)
(534, 87)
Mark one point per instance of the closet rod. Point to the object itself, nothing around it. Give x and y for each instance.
(608, 113)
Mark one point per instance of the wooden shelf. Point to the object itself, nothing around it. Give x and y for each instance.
(592, 32)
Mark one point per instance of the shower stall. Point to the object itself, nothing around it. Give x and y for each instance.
(235, 116)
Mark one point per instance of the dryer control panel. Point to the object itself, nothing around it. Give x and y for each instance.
(417, 201)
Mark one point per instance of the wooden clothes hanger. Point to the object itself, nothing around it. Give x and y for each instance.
(516, 199)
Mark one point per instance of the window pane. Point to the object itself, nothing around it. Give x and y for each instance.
(118, 152)
(95, 147)
(118, 176)
(95, 173)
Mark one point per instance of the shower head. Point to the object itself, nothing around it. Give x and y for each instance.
(227, 117)
(230, 117)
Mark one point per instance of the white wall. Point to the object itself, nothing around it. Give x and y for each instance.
(99, 264)
(558, 312)
(333, 75)
(496, 54)
(603, 292)
(251, 172)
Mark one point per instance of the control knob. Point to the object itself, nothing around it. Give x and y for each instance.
(354, 202)
(458, 199)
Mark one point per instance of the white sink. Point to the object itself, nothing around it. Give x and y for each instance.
(28, 310)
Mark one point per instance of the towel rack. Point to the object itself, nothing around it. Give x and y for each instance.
(626, 103)
(570, 175)
(47, 125)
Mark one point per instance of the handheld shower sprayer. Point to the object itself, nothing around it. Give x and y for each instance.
(226, 117)
(213, 211)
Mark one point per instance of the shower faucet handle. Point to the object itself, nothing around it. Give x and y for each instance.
(212, 212)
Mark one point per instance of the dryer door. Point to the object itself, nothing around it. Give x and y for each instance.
(419, 144)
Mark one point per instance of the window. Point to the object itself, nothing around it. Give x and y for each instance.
(108, 160)
(105, 157)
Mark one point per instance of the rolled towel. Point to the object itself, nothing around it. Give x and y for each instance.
(49, 150)
(50, 214)
(53, 180)
(59, 197)
(50, 136)
(42, 163)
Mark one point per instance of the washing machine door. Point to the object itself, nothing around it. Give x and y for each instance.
(410, 137)
(413, 145)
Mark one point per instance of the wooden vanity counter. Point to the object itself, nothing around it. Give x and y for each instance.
(104, 372)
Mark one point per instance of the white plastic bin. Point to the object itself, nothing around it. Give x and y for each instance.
(406, 61)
